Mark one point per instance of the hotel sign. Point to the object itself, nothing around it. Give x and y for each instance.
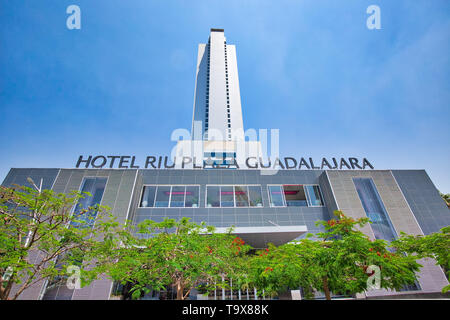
(160, 162)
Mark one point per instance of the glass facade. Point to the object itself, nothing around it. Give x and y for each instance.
(192, 197)
(374, 208)
(254, 196)
(314, 196)
(241, 195)
(148, 196)
(162, 196)
(177, 196)
(170, 197)
(212, 196)
(381, 224)
(295, 196)
(276, 196)
(233, 196)
(226, 196)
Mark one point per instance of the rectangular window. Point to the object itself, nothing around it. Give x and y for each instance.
(255, 196)
(170, 197)
(177, 196)
(148, 197)
(212, 196)
(192, 195)
(276, 196)
(226, 196)
(162, 197)
(295, 196)
(241, 194)
(233, 196)
(374, 208)
(314, 196)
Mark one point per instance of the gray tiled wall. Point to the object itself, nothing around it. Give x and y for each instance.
(19, 177)
(423, 198)
(118, 190)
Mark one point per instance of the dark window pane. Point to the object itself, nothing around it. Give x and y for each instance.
(226, 196)
(213, 196)
(295, 196)
(315, 198)
(241, 195)
(148, 196)
(255, 197)
(162, 196)
(177, 198)
(192, 193)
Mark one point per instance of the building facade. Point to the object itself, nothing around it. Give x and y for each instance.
(276, 207)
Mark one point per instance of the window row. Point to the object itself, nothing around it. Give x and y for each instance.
(233, 196)
(227, 196)
(228, 94)
(295, 196)
(207, 91)
(170, 197)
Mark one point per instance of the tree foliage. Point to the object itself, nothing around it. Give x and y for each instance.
(40, 236)
(435, 245)
(179, 254)
(446, 198)
(337, 262)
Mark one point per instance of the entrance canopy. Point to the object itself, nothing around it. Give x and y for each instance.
(259, 237)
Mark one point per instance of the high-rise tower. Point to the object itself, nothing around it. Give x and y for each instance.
(217, 104)
(217, 136)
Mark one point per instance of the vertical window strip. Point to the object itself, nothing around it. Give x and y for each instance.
(374, 208)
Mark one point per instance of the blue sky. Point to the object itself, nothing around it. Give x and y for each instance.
(312, 69)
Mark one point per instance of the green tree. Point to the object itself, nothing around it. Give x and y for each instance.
(40, 236)
(435, 245)
(180, 254)
(446, 198)
(337, 262)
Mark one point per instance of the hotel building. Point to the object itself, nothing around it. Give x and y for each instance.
(264, 206)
